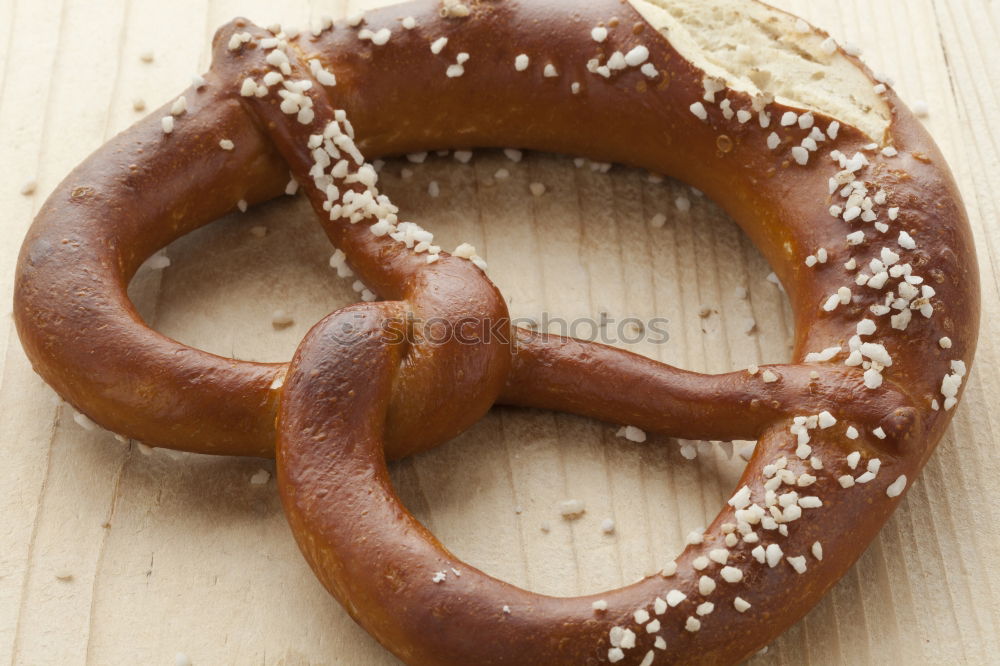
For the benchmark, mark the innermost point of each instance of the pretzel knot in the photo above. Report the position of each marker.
(840, 431)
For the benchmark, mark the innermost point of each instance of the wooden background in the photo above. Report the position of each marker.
(112, 556)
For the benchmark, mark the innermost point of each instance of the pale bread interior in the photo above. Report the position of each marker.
(762, 51)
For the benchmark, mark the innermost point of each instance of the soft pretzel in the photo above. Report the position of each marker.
(820, 163)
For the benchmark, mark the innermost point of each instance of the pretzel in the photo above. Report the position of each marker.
(839, 186)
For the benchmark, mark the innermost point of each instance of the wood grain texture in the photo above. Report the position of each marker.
(111, 556)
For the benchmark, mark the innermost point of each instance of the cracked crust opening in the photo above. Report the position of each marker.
(767, 53)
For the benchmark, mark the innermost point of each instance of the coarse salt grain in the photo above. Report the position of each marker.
(260, 477)
(438, 45)
(731, 574)
(675, 597)
(158, 262)
(637, 56)
(179, 106)
(632, 434)
(896, 488)
(571, 509)
(281, 319)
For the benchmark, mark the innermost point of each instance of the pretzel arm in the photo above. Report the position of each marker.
(73, 314)
(617, 386)
(426, 284)
(432, 609)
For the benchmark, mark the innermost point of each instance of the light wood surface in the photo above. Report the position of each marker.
(111, 556)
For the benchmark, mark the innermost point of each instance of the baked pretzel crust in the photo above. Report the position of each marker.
(343, 404)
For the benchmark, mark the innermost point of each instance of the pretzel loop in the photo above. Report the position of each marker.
(429, 607)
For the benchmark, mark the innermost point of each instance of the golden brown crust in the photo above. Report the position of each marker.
(346, 399)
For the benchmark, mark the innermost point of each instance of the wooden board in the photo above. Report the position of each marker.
(110, 556)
